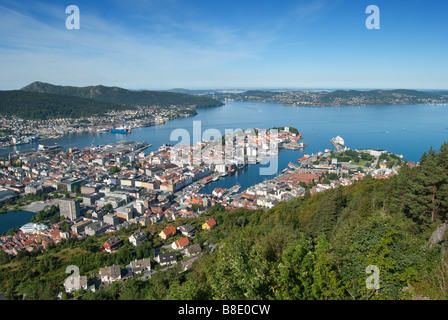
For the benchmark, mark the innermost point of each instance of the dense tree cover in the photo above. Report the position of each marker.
(51, 215)
(122, 96)
(313, 247)
(391, 158)
(45, 101)
(41, 106)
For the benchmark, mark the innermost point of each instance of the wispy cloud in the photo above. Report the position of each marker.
(107, 52)
(199, 43)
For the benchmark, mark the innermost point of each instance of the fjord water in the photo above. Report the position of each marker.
(407, 130)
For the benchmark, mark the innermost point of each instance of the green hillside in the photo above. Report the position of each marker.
(122, 96)
(36, 105)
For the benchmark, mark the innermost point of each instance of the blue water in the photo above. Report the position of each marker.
(13, 219)
(407, 130)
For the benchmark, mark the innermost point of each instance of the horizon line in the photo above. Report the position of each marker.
(262, 88)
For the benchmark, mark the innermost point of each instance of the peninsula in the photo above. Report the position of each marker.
(338, 98)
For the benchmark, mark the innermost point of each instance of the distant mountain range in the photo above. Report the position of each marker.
(340, 97)
(41, 100)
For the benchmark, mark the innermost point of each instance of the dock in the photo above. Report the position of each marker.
(294, 145)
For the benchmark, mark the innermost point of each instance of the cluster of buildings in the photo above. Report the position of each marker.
(168, 255)
(109, 187)
(328, 98)
(17, 131)
(33, 236)
(317, 172)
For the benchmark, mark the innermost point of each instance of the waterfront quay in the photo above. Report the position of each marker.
(15, 131)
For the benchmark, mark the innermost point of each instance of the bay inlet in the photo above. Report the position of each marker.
(407, 130)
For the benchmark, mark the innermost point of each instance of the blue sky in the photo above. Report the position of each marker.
(149, 44)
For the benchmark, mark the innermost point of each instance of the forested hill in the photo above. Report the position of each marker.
(122, 96)
(37, 106)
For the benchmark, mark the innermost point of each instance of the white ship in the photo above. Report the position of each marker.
(339, 144)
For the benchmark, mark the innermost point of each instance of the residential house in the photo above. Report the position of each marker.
(209, 224)
(110, 274)
(180, 244)
(73, 284)
(137, 238)
(187, 230)
(192, 251)
(167, 232)
(166, 258)
(138, 266)
(112, 244)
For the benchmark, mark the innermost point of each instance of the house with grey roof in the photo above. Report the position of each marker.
(110, 274)
(166, 258)
(138, 266)
(73, 284)
(96, 228)
(187, 230)
(137, 238)
(192, 251)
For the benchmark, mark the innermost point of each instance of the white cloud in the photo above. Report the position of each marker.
(109, 53)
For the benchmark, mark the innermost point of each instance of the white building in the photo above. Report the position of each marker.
(137, 238)
(33, 228)
(110, 274)
(73, 284)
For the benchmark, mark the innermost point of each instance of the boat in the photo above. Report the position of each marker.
(305, 157)
(339, 144)
(122, 130)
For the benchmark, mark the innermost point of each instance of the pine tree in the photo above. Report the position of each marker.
(428, 189)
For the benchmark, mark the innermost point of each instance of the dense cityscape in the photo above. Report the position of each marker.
(100, 190)
(222, 159)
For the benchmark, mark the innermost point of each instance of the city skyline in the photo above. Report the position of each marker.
(202, 45)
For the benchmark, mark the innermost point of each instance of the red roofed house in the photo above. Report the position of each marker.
(181, 243)
(209, 224)
(112, 244)
(167, 232)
